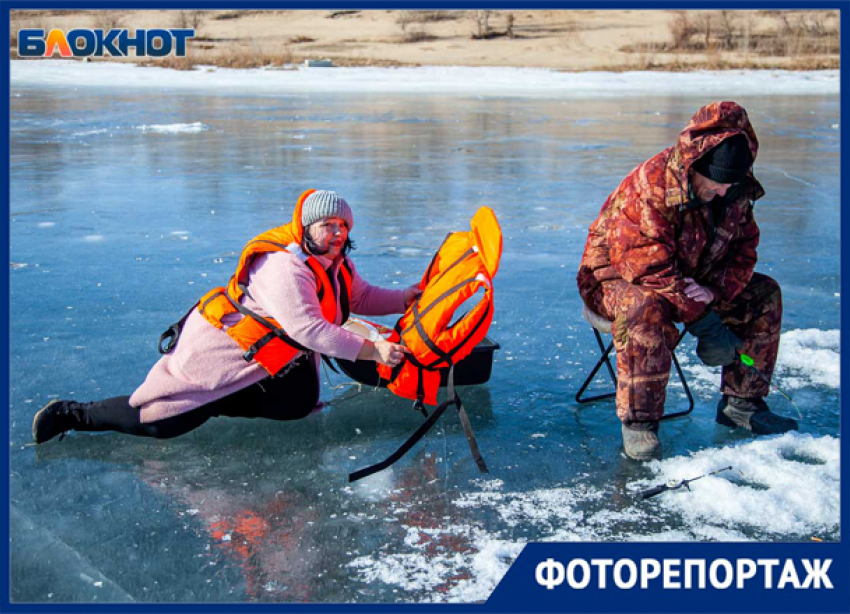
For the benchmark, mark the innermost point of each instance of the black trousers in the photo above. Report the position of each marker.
(290, 397)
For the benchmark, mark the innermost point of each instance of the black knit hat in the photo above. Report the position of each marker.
(728, 162)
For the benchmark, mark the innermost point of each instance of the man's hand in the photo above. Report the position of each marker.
(717, 345)
(698, 293)
(411, 294)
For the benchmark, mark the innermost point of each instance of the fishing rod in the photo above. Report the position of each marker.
(676, 485)
(749, 362)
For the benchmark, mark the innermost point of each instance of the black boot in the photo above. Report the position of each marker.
(57, 418)
(752, 414)
(640, 441)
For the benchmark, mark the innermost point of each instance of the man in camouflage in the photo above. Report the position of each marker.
(676, 242)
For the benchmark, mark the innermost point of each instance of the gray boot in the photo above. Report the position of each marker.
(640, 441)
(752, 414)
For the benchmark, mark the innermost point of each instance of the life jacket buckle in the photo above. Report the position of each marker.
(170, 338)
(419, 406)
(248, 356)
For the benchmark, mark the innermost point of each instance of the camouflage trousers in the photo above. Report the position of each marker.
(645, 334)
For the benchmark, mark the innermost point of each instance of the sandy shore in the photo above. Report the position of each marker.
(572, 40)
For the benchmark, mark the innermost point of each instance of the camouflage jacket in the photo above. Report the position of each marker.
(650, 233)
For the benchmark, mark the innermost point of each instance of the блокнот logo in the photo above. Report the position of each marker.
(83, 42)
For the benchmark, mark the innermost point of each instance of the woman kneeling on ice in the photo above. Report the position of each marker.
(252, 349)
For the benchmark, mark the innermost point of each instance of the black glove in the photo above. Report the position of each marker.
(717, 346)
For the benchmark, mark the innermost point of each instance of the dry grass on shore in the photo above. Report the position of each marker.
(807, 40)
(562, 40)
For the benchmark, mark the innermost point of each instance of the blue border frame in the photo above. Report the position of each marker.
(516, 592)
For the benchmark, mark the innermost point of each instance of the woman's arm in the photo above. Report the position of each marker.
(285, 288)
(369, 300)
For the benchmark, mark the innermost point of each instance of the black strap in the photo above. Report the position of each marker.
(443, 296)
(344, 294)
(462, 257)
(459, 345)
(329, 363)
(453, 399)
(467, 425)
(423, 334)
(395, 456)
(172, 334)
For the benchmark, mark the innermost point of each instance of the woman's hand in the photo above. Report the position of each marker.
(698, 293)
(384, 352)
(411, 294)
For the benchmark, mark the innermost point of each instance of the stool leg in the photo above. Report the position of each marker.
(606, 351)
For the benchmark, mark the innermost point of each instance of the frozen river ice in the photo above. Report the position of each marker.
(127, 206)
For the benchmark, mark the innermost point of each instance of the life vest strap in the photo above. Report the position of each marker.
(274, 331)
(328, 362)
(421, 314)
(426, 338)
(463, 342)
(203, 305)
(460, 259)
(172, 335)
(434, 257)
(442, 355)
(430, 421)
(344, 292)
(466, 424)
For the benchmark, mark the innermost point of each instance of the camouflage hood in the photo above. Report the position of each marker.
(646, 234)
(709, 126)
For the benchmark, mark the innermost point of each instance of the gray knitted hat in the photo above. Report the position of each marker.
(322, 204)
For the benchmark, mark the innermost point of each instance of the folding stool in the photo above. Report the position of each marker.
(602, 326)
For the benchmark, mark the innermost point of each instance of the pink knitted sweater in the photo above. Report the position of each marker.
(206, 364)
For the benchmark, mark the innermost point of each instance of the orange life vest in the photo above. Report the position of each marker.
(465, 263)
(263, 339)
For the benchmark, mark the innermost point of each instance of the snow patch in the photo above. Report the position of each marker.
(779, 486)
(174, 128)
(810, 356)
(90, 132)
(429, 79)
(807, 357)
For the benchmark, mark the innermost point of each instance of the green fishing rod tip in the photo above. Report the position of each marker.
(747, 360)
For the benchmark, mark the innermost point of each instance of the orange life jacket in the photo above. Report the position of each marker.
(263, 339)
(465, 263)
